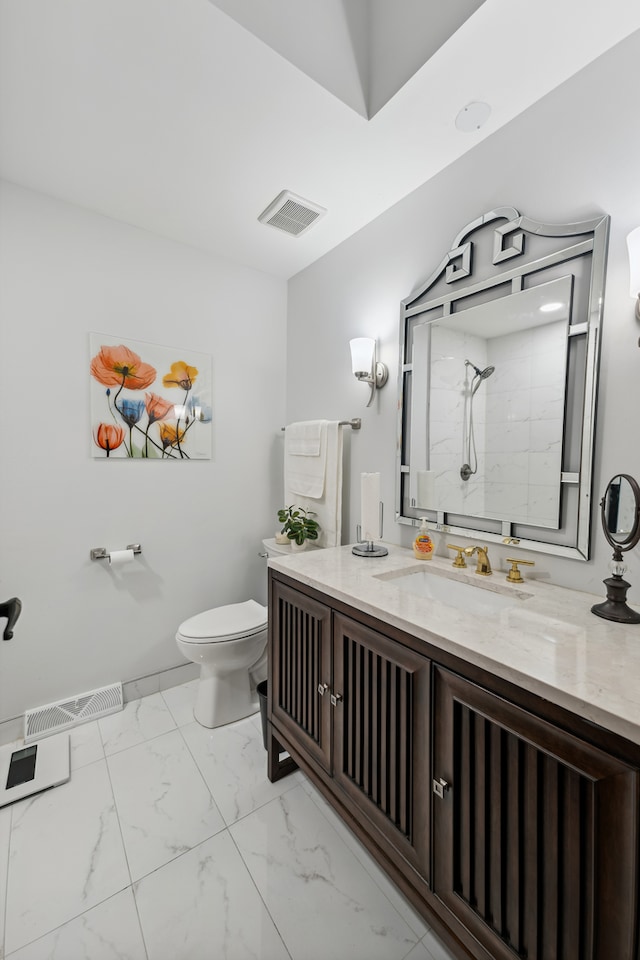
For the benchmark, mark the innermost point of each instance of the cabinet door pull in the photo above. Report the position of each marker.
(335, 699)
(439, 787)
(322, 688)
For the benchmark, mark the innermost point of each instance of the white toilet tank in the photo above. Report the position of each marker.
(274, 549)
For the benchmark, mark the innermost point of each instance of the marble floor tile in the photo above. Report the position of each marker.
(140, 720)
(401, 904)
(164, 806)
(66, 855)
(85, 744)
(181, 700)
(110, 931)
(436, 950)
(321, 898)
(225, 863)
(204, 904)
(420, 952)
(233, 762)
(5, 835)
(256, 720)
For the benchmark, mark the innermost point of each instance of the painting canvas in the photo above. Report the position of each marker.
(149, 401)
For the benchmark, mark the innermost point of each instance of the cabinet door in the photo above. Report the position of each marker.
(381, 736)
(535, 838)
(300, 670)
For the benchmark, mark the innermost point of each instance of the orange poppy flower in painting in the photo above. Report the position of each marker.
(121, 367)
(170, 435)
(108, 436)
(180, 375)
(157, 407)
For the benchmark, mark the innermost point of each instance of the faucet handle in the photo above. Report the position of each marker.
(459, 560)
(514, 575)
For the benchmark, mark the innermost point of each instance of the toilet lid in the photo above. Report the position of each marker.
(225, 623)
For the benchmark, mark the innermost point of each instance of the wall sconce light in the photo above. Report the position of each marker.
(365, 366)
(633, 245)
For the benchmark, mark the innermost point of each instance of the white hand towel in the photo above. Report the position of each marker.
(305, 458)
(305, 437)
(327, 509)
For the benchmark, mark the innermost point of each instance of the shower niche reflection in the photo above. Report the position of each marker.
(498, 377)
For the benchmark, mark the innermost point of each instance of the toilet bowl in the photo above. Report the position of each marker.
(230, 644)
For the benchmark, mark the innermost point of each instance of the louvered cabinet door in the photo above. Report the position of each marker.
(381, 736)
(536, 832)
(300, 670)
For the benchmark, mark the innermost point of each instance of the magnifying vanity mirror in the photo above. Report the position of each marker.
(620, 515)
(498, 381)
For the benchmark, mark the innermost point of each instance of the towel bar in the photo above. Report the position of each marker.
(355, 424)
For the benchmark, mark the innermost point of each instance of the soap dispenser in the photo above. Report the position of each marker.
(423, 544)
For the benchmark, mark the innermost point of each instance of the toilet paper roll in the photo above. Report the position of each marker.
(370, 506)
(117, 558)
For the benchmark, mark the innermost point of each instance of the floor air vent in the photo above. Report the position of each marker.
(291, 214)
(56, 717)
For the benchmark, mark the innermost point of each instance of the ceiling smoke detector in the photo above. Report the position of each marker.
(473, 116)
(291, 214)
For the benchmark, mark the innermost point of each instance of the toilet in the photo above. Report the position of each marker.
(230, 644)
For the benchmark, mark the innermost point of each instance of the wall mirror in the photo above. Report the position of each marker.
(498, 379)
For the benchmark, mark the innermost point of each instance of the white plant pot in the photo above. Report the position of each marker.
(298, 548)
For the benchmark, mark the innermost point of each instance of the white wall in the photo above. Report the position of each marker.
(572, 156)
(65, 272)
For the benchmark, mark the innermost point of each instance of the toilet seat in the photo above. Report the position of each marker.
(230, 622)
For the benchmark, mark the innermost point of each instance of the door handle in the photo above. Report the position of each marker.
(335, 699)
(322, 688)
(440, 787)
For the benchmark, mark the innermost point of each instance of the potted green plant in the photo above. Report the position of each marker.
(298, 525)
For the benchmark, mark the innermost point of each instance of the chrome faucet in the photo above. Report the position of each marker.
(483, 566)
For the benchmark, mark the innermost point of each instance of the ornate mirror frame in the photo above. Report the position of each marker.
(498, 256)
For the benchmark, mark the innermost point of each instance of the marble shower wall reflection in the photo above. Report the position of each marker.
(518, 412)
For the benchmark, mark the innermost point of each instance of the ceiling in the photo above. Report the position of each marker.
(187, 117)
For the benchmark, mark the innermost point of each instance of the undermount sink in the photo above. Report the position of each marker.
(478, 598)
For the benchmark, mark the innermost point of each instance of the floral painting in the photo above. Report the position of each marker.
(148, 401)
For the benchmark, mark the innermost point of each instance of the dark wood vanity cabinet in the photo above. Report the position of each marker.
(355, 704)
(381, 737)
(514, 836)
(535, 836)
(299, 668)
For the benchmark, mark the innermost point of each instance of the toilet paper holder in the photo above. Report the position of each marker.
(101, 553)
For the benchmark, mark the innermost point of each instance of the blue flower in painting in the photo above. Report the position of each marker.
(131, 411)
(199, 411)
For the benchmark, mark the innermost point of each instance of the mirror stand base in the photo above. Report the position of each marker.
(615, 606)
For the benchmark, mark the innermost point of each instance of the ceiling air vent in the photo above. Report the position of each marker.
(291, 214)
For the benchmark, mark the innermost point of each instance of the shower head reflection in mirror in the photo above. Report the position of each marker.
(466, 470)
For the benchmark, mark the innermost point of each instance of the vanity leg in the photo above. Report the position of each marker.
(276, 767)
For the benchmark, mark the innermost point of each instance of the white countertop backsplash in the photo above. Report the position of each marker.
(549, 643)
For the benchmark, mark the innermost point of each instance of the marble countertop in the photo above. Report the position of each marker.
(546, 640)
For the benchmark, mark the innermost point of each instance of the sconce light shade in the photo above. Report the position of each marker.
(633, 245)
(363, 351)
(365, 366)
